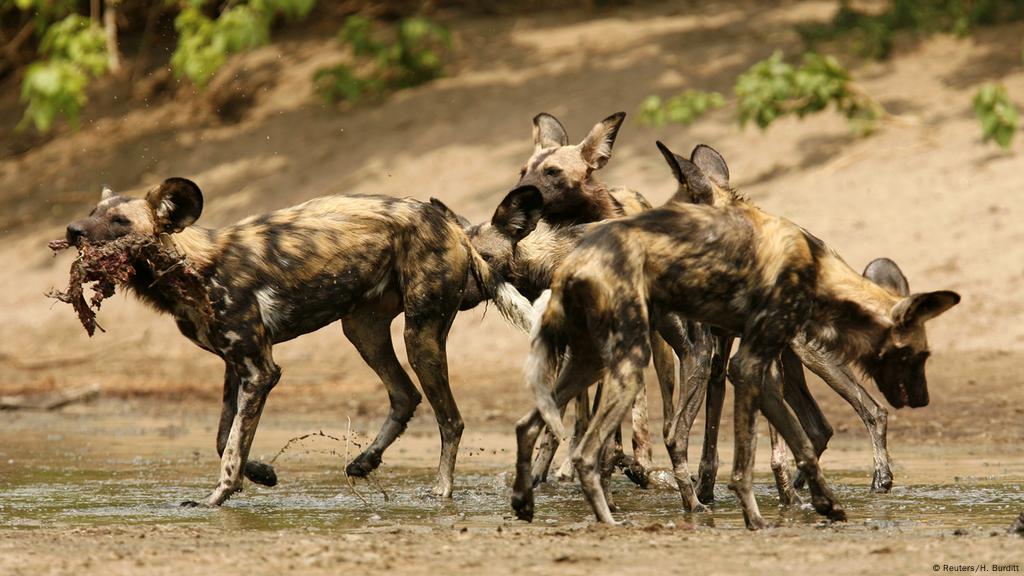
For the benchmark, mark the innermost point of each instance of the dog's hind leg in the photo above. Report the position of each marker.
(581, 414)
(643, 457)
(369, 330)
(708, 472)
(625, 378)
(693, 344)
(747, 372)
(425, 339)
(779, 414)
(545, 455)
(576, 375)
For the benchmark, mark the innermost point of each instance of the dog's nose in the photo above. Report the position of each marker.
(75, 233)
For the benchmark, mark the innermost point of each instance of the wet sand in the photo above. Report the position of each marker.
(99, 487)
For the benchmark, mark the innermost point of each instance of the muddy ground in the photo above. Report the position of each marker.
(97, 487)
(94, 487)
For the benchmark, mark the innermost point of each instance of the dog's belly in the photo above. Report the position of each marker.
(288, 314)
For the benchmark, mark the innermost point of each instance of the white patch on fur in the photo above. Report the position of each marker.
(539, 306)
(231, 336)
(380, 287)
(106, 194)
(514, 306)
(538, 369)
(227, 295)
(166, 208)
(270, 307)
(254, 373)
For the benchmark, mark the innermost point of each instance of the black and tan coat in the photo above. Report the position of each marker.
(270, 278)
(735, 267)
(558, 194)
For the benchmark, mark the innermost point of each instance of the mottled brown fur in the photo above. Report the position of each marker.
(735, 267)
(270, 278)
(570, 197)
(564, 173)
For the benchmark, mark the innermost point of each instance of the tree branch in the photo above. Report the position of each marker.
(110, 27)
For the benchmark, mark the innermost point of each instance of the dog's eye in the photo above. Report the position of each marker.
(552, 171)
(120, 221)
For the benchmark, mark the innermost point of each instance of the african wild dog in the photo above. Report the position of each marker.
(526, 250)
(564, 173)
(838, 376)
(710, 380)
(735, 267)
(570, 194)
(359, 259)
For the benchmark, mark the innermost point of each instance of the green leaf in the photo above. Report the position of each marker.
(997, 114)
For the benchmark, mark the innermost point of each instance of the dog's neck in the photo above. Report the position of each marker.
(195, 245)
(537, 256)
(853, 315)
(589, 201)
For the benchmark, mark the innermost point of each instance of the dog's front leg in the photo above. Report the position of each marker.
(256, 374)
(257, 472)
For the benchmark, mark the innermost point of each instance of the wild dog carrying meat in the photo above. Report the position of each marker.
(108, 264)
(270, 278)
(735, 267)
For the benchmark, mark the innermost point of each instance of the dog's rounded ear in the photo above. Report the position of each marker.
(519, 212)
(177, 204)
(712, 163)
(449, 213)
(596, 148)
(918, 308)
(548, 132)
(886, 273)
(694, 186)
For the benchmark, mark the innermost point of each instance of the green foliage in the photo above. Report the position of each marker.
(357, 32)
(872, 34)
(73, 49)
(683, 108)
(52, 88)
(998, 116)
(773, 88)
(413, 55)
(75, 52)
(204, 43)
(74, 39)
(340, 83)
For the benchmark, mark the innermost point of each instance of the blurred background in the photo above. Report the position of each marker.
(887, 128)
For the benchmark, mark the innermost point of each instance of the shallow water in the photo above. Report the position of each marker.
(116, 467)
(317, 497)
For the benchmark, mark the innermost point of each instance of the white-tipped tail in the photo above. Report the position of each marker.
(514, 306)
(539, 368)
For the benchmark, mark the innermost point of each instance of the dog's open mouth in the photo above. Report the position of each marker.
(904, 396)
